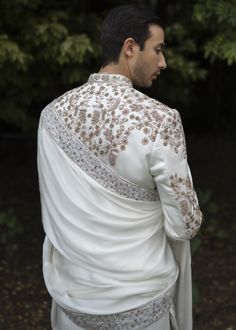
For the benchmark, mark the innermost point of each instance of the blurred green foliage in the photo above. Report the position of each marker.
(219, 19)
(201, 58)
(48, 47)
(45, 48)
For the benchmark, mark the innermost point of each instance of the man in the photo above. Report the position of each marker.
(118, 204)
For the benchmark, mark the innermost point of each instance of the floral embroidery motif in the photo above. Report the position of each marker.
(137, 318)
(172, 134)
(91, 164)
(104, 112)
(188, 202)
(110, 78)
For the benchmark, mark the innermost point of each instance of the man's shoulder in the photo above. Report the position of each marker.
(148, 102)
(66, 96)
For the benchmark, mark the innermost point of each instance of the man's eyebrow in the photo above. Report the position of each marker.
(161, 45)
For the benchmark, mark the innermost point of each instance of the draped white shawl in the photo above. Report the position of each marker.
(105, 253)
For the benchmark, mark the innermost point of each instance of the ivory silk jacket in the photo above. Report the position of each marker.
(118, 206)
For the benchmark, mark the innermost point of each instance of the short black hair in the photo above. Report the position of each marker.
(127, 21)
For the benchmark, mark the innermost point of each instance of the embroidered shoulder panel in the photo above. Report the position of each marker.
(138, 318)
(105, 111)
(88, 161)
(172, 134)
(187, 199)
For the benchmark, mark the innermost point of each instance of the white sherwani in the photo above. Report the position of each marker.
(118, 209)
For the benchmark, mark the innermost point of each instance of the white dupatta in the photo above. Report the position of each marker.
(105, 253)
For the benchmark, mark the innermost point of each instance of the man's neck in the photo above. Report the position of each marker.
(115, 69)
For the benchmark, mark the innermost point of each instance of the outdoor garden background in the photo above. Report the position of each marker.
(49, 47)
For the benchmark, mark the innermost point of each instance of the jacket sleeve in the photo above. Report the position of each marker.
(170, 170)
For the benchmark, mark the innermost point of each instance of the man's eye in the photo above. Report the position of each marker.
(158, 50)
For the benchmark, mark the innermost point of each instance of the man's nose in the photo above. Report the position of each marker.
(162, 63)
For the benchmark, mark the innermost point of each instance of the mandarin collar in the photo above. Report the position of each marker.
(110, 78)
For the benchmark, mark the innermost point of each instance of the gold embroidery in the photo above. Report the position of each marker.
(172, 134)
(134, 319)
(187, 199)
(104, 124)
(89, 163)
(104, 112)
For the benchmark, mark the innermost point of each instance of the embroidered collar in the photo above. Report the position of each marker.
(108, 77)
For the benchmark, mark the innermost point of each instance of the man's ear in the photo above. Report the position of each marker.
(129, 47)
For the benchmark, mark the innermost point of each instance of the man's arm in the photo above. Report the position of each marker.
(169, 167)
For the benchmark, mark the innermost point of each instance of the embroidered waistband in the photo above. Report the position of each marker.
(89, 163)
(137, 318)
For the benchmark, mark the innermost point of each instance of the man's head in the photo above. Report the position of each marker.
(133, 38)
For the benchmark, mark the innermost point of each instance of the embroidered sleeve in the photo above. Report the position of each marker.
(169, 167)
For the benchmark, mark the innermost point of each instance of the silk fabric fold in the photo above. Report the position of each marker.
(104, 246)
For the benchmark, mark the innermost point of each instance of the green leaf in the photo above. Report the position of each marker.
(74, 49)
